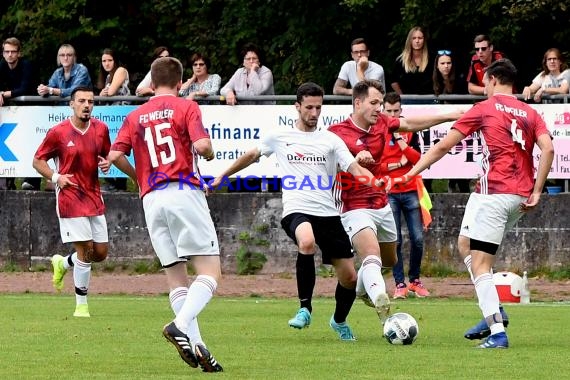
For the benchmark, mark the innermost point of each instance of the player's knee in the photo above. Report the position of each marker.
(99, 253)
(306, 245)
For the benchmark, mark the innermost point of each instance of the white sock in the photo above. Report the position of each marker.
(81, 277)
(488, 300)
(360, 291)
(371, 273)
(199, 294)
(66, 260)
(467, 262)
(177, 297)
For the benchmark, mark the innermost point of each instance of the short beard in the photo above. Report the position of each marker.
(85, 119)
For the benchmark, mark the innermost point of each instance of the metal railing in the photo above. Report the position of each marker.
(218, 99)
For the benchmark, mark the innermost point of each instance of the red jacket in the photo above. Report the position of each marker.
(393, 154)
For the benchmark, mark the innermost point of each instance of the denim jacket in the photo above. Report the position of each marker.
(79, 77)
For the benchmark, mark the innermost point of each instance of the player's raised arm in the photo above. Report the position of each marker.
(418, 123)
(242, 162)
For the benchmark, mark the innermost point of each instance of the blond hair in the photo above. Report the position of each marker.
(407, 57)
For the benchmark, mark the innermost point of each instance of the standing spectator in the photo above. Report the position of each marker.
(78, 145)
(251, 80)
(401, 152)
(412, 70)
(144, 88)
(113, 81)
(202, 83)
(445, 82)
(507, 190)
(166, 135)
(553, 79)
(483, 57)
(358, 69)
(16, 79)
(67, 77)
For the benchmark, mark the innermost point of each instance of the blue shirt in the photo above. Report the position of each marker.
(79, 77)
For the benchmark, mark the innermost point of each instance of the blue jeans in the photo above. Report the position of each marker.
(408, 204)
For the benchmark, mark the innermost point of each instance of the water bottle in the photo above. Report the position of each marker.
(525, 291)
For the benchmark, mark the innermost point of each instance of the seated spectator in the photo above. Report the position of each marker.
(412, 71)
(67, 77)
(113, 76)
(553, 79)
(483, 57)
(202, 83)
(16, 79)
(444, 82)
(113, 81)
(360, 68)
(144, 88)
(251, 80)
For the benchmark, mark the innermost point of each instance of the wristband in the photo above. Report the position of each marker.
(51, 90)
(55, 176)
(399, 138)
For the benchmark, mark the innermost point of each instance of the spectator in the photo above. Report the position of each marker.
(202, 83)
(16, 79)
(67, 77)
(113, 81)
(401, 152)
(251, 80)
(144, 88)
(553, 79)
(412, 70)
(483, 57)
(444, 82)
(358, 69)
(113, 76)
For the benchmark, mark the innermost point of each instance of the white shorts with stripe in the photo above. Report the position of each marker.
(179, 224)
(381, 221)
(488, 216)
(84, 228)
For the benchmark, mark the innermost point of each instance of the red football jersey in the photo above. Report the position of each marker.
(161, 133)
(76, 152)
(508, 129)
(353, 194)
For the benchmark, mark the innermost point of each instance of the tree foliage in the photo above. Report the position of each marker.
(303, 40)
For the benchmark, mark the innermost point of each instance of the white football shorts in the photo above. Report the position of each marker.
(179, 224)
(488, 216)
(84, 228)
(381, 221)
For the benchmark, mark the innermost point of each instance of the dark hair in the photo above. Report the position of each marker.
(360, 90)
(437, 79)
(392, 98)
(102, 78)
(563, 65)
(166, 71)
(503, 70)
(80, 88)
(252, 47)
(481, 38)
(158, 51)
(309, 89)
(199, 56)
(358, 41)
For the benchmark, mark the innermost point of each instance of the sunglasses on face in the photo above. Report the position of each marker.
(482, 48)
(444, 52)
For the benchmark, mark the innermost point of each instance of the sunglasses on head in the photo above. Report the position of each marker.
(444, 52)
(482, 48)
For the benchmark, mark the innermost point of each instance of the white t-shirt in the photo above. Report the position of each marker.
(308, 163)
(373, 71)
(551, 81)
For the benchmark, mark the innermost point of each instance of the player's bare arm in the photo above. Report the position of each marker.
(364, 158)
(418, 123)
(242, 162)
(204, 148)
(118, 159)
(62, 180)
(544, 142)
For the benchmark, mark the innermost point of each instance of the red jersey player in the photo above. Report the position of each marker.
(78, 145)
(166, 135)
(509, 130)
(365, 212)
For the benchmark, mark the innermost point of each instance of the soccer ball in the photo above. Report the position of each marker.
(401, 328)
